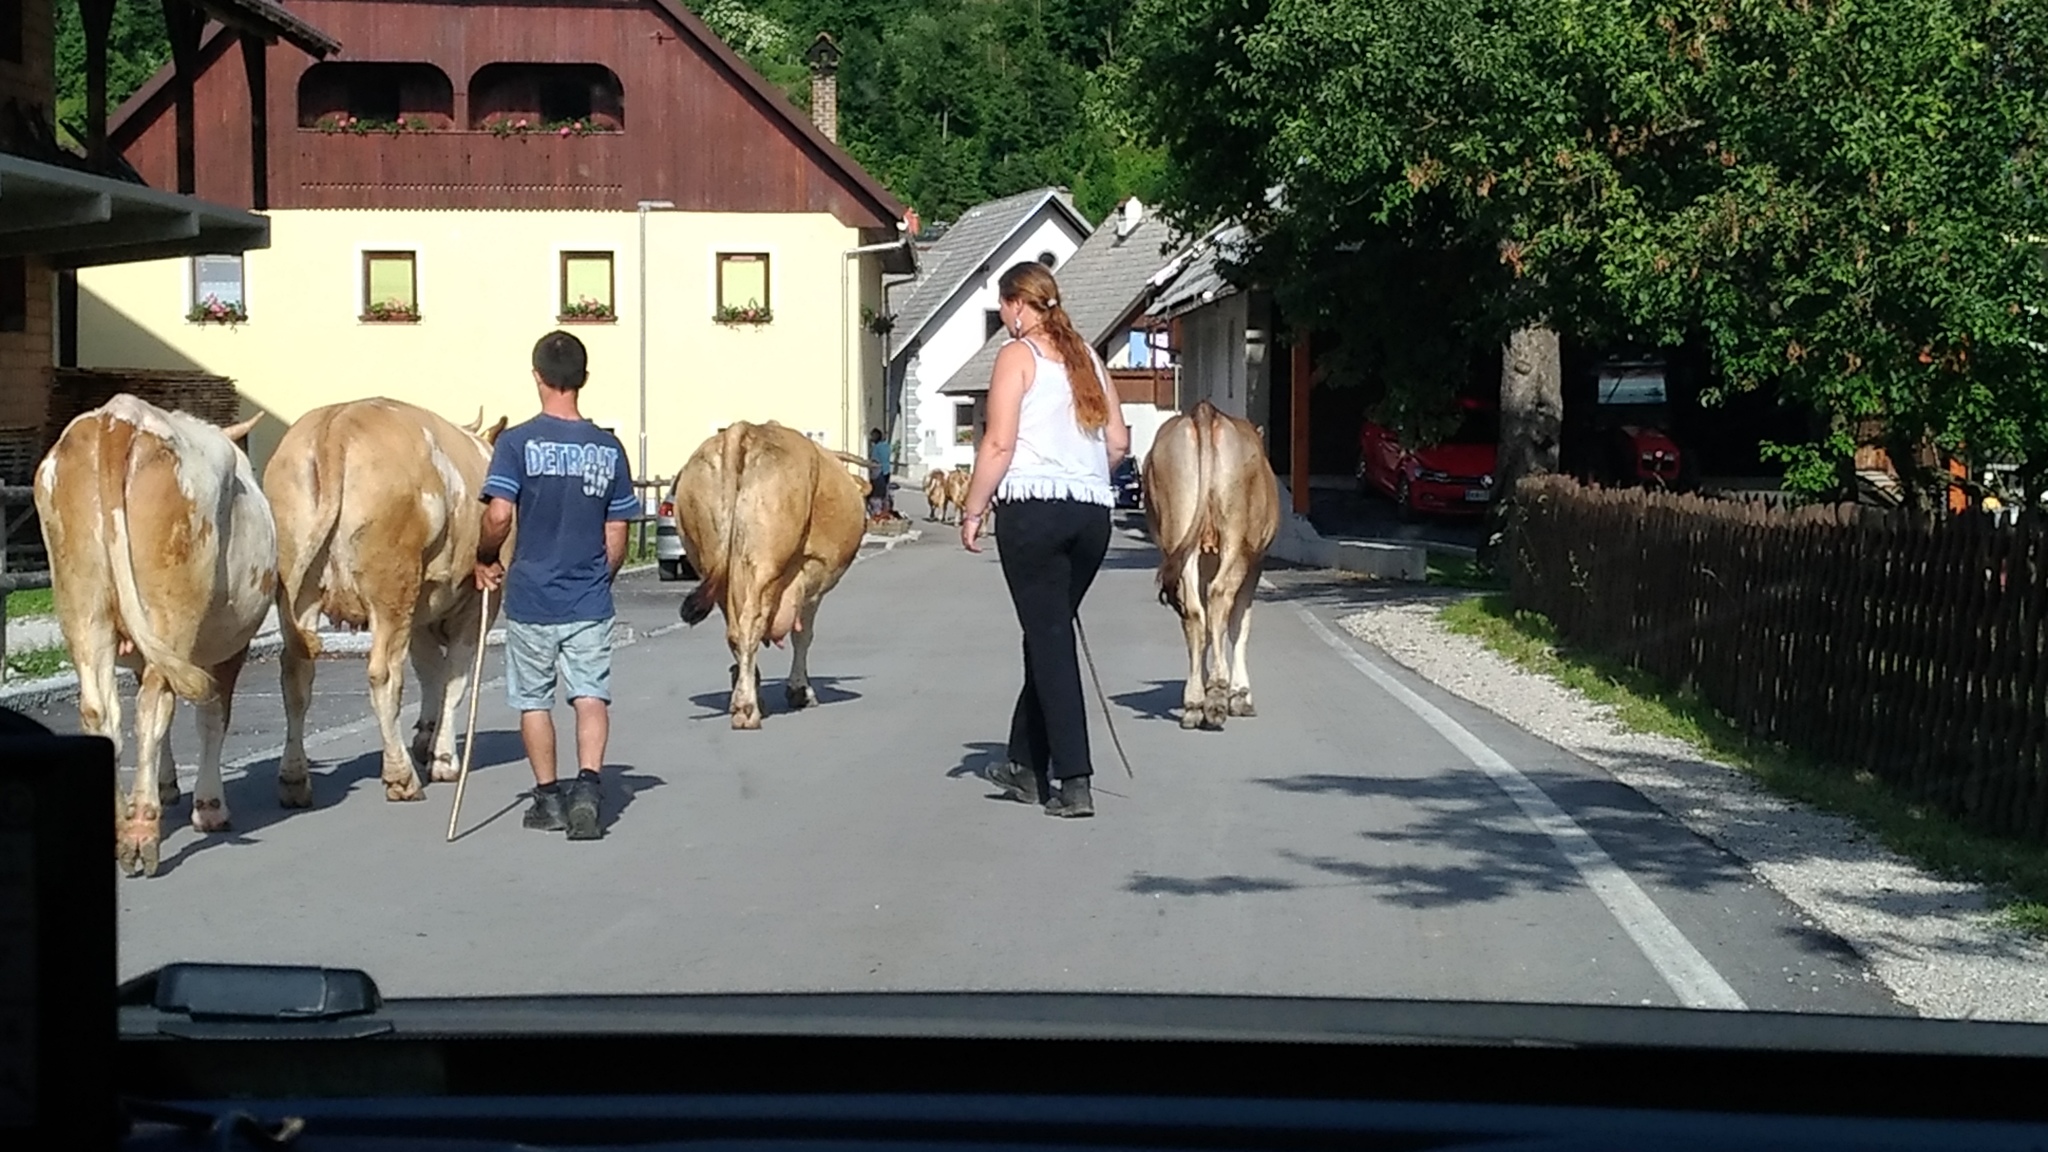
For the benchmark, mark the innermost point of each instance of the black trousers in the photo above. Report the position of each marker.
(1050, 552)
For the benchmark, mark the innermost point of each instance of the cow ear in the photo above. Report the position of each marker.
(491, 437)
(238, 433)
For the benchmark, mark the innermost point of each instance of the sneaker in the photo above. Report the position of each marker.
(1017, 782)
(548, 813)
(583, 811)
(1073, 799)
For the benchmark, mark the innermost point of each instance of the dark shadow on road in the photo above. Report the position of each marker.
(1131, 560)
(773, 702)
(1146, 884)
(502, 746)
(983, 755)
(1159, 701)
(1495, 853)
(252, 802)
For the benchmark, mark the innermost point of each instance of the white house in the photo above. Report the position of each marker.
(1223, 331)
(1106, 288)
(951, 312)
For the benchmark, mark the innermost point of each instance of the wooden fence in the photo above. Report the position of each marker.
(1869, 641)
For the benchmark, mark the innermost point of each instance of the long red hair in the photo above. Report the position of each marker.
(1031, 283)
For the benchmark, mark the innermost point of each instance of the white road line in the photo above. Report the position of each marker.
(323, 736)
(1691, 976)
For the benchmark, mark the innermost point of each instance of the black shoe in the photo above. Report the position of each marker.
(582, 810)
(1072, 799)
(1017, 782)
(547, 813)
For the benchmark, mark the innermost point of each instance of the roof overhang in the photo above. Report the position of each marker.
(269, 22)
(78, 220)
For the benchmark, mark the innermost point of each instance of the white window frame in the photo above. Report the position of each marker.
(192, 282)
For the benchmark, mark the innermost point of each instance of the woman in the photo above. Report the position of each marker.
(1055, 429)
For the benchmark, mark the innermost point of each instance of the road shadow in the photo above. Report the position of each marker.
(620, 785)
(1131, 560)
(717, 705)
(1467, 842)
(253, 806)
(1146, 884)
(1159, 700)
(976, 761)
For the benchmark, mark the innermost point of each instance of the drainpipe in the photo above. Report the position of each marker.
(643, 207)
(846, 335)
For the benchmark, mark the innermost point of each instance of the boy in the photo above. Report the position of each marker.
(571, 486)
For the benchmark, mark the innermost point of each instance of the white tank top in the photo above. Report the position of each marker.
(1055, 459)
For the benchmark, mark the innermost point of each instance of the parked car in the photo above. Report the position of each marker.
(668, 546)
(1454, 477)
(1129, 485)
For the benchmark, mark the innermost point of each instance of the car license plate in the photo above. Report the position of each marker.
(1477, 495)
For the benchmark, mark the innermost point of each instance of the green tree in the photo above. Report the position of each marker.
(1834, 195)
(137, 45)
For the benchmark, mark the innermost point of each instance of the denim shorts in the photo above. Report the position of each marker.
(583, 650)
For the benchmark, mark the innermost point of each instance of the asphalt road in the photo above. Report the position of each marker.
(1365, 835)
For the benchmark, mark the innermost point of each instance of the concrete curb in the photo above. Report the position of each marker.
(1298, 542)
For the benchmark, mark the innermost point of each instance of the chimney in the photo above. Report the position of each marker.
(823, 58)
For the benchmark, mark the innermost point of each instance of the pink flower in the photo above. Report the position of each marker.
(565, 129)
(521, 123)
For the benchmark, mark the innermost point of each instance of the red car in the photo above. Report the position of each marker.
(1452, 478)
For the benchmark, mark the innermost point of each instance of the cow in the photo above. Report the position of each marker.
(1213, 508)
(378, 511)
(163, 560)
(935, 495)
(956, 488)
(771, 521)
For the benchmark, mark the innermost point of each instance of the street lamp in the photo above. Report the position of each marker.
(644, 207)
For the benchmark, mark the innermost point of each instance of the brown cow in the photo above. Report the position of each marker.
(1213, 507)
(935, 495)
(378, 513)
(163, 557)
(771, 521)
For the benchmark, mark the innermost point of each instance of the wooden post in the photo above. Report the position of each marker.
(183, 24)
(97, 17)
(254, 56)
(1297, 423)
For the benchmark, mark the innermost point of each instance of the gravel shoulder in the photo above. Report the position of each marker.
(1935, 943)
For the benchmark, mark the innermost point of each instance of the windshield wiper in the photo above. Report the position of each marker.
(259, 1001)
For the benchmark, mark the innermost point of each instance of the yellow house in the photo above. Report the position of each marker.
(438, 200)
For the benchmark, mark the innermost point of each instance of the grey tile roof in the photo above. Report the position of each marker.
(1099, 285)
(959, 253)
(1202, 281)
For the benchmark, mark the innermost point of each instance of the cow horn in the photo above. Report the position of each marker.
(477, 423)
(491, 437)
(237, 433)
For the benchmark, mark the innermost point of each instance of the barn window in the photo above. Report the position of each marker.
(13, 294)
(547, 97)
(587, 286)
(963, 422)
(217, 280)
(359, 96)
(743, 287)
(390, 287)
(991, 322)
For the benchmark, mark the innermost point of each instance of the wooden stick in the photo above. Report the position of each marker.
(476, 677)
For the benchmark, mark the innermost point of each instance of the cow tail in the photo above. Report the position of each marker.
(324, 470)
(711, 582)
(1201, 531)
(118, 445)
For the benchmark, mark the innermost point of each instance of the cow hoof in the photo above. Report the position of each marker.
(209, 815)
(295, 793)
(1191, 717)
(445, 770)
(402, 790)
(1241, 705)
(137, 846)
(746, 720)
(799, 696)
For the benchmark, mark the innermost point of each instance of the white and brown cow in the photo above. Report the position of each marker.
(1213, 507)
(378, 512)
(771, 521)
(163, 559)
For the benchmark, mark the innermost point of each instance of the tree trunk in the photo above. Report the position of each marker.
(1531, 420)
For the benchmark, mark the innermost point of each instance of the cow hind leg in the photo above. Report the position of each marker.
(1194, 628)
(296, 668)
(430, 662)
(455, 682)
(138, 843)
(746, 626)
(1221, 595)
(209, 796)
(1240, 637)
(390, 639)
(797, 691)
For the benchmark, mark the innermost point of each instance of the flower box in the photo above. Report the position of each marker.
(391, 312)
(750, 314)
(212, 311)
(587, 311)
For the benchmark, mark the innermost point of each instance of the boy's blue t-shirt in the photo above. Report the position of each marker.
(568, 478)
